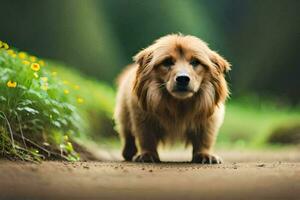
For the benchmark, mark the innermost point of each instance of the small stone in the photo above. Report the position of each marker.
(34, 169)
(261, 165)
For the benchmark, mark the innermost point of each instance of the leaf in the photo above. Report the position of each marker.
(34, 93)
(6, 74)
(28, 109)
(55, 111)
(63, 121)
(2, 98)
(36, 121)
(73, 158)
(69, 147)
(25, 102)
(56, 123)
(22, 87)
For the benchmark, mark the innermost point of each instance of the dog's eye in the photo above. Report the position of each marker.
(195, 62)
(168, 62)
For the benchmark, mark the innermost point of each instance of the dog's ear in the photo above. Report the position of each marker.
(221, 63)
(144, 57)
(219, 82)
(141, 83)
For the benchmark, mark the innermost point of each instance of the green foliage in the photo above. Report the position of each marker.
(96, 101)
(250, 121)
(43, 104)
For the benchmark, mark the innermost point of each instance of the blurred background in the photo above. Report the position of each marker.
(99, 37)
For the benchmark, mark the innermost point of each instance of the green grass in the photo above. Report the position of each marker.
(45, 106)
(249, 122)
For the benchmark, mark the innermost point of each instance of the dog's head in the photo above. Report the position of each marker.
(182, 66)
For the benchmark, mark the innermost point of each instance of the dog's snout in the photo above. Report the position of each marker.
(182, 80)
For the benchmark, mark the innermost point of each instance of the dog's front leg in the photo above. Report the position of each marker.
(203, 142)
(147, 143)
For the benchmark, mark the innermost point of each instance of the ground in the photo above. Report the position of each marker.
(272, 174)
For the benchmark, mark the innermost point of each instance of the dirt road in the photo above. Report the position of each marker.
(245, 175)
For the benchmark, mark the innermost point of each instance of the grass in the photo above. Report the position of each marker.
(44, 107)
(249, 122)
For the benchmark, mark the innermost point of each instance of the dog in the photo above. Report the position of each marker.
(175, 90)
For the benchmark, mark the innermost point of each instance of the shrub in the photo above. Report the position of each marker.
(43, 107)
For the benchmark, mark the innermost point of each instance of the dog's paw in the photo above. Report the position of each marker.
(147, 157)
(205, 158)
(129, 152)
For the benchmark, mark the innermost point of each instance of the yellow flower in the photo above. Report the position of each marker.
(66, 91)
(32, 58)
(22, 55)
(35, 75)
(11, 84)
(80, 100)
(45, 79)
(66, 138)
(41, 62)
(10, 52)
(76, 87)
(35, 67)
(5, 45)
(1, 44)
(54, 73)
(25, 62)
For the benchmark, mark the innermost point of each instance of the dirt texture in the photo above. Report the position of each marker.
(244, 175)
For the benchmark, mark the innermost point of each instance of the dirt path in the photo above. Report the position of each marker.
(245, 175)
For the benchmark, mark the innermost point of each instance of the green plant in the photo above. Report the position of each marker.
(45, 107)
(250, 121)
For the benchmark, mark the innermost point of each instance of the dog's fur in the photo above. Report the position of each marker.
(150, 110)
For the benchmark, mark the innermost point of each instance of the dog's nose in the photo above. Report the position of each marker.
(182, 80)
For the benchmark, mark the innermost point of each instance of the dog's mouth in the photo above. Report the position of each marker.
(182, 92)
(181, 89)
(179, 92)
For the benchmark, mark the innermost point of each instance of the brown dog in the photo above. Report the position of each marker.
(175, 90)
